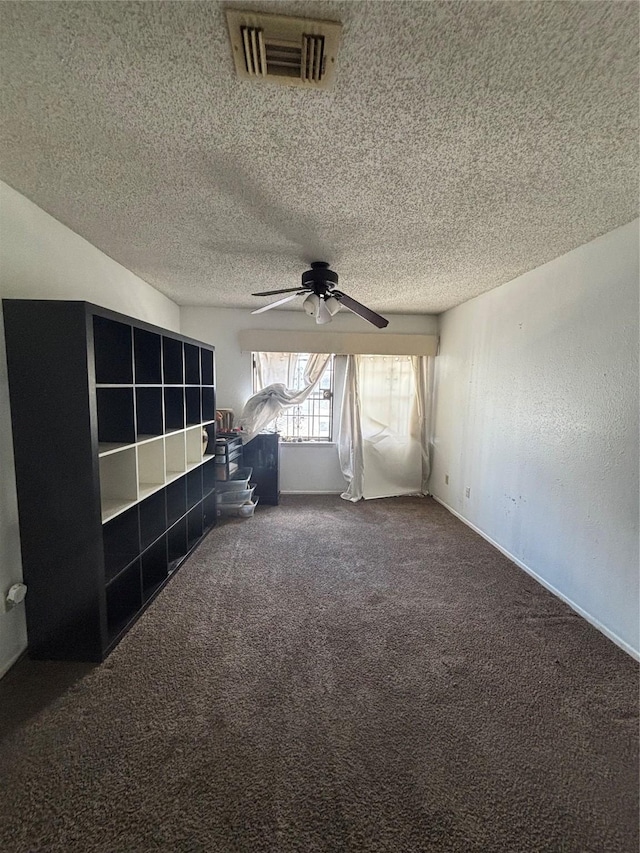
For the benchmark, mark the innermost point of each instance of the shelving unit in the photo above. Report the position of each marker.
(127, 487)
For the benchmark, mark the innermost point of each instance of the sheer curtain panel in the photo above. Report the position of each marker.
(350, 433)
(385, 426)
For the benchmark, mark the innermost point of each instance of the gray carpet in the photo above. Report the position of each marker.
(332, 677)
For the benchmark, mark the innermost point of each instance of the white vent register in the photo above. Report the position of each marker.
(289, 51)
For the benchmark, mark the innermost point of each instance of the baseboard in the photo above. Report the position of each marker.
(4, 669)
(634, 653)
(314, 492)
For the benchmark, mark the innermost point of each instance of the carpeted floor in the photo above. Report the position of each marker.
(332, 677)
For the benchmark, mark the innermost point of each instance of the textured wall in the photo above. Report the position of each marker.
(312, 469)
(42, 259)
(537, 414)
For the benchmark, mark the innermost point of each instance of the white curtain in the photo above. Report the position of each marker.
(385, 426)
(423, 370)
(275, 368)
(350, 434)
(275, 373)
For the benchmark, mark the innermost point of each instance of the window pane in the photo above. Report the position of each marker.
(312, 419)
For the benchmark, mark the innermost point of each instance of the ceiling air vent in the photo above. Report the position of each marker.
(290, 51)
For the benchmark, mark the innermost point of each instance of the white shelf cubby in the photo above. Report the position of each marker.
(175, 455)
(194, 446)
(151, 467)
(118, 482)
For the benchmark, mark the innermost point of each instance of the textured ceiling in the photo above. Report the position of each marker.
(463, 143)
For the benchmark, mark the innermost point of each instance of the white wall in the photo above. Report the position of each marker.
(42, 259)
(537, 414)
(303, 468)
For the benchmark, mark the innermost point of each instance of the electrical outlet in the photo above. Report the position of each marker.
(467, 492)
(446, 479)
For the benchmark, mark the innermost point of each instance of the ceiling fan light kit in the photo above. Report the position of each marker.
(322, 300)
(332, 305)
(317, 307)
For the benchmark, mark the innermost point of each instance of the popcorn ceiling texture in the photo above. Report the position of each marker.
(462, 145)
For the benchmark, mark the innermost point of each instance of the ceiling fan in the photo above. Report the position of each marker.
(322, 299)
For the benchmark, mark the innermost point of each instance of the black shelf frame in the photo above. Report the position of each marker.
(174, 415)
(191, 364)
(149, 412)
(113, 351)
(121, 542)
(116, 419)
(152, 512)
(147, 357)
(172, 361)
(193, 406)
(95, 376)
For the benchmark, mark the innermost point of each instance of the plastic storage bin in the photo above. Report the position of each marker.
(247, 509)
(239, 481)
(244, 509)
(236, 496)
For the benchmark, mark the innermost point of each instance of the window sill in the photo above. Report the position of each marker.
(307, 443)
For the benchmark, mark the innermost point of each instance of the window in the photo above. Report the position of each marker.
(311, 420)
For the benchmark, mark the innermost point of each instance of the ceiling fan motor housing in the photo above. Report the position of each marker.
(319, 278)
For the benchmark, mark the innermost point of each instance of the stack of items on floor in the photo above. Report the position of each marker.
(234, 493)
(234, 496)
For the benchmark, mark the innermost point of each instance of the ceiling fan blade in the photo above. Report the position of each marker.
(276, 303)
(275, 292)
(360, 309)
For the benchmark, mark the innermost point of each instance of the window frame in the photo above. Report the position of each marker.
(317, 395)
